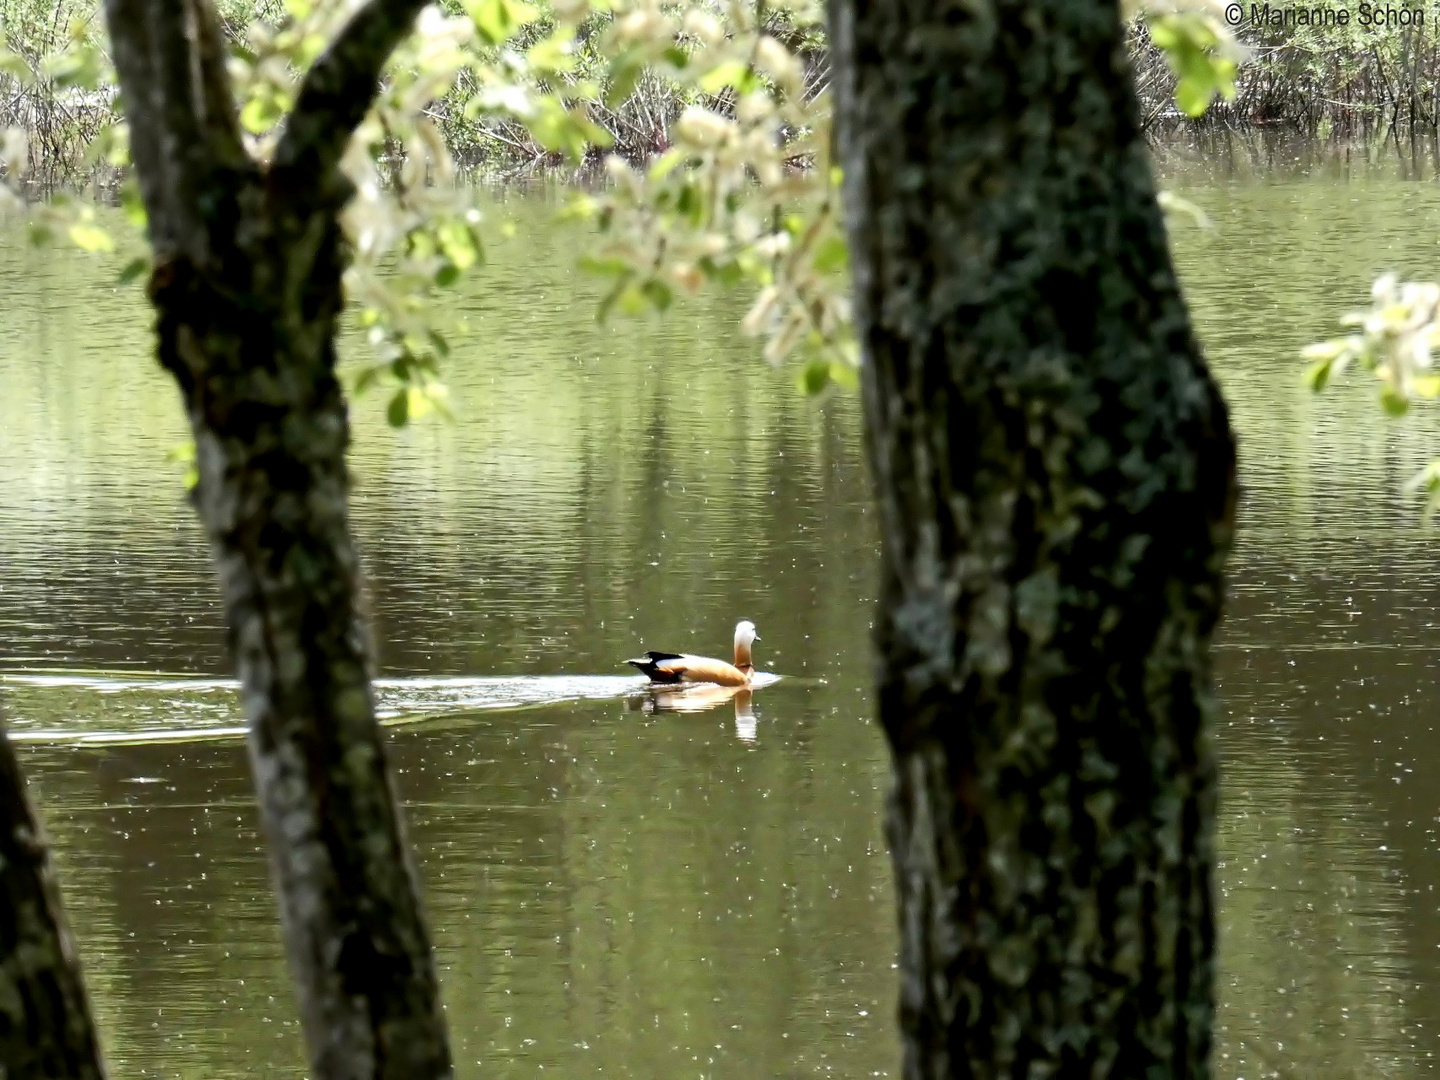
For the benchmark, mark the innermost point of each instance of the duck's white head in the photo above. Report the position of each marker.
(745, 634)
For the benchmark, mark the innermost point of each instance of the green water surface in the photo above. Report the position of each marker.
(622, 893)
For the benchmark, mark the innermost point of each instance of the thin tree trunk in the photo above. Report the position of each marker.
(1055, 477)
(246, 289)
(46, 1032)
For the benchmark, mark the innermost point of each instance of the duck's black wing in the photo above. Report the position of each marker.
(651, 663)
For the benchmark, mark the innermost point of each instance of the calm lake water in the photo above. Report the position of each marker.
(619, 893)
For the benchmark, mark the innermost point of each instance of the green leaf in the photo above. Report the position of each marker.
(727, 273)
(1192, 98)
(100, 146)
(77, 66)
(421, 243)
(88, 237)
(658, 293)
(1317, 375)
(625, 72)
(734, 73)
(632, 300)
(132, 203)
(1427, 479)
(260, 114)
(814, 376)
(665, 163)
(1164, 34)
(368, 378)
(1190, 45)
(16, 67)
(1224, 73)
(398, 411)
(499, 20)
(184, 454)
(607, 304)
(844, 375)
(554, 54)
(521, 14)
(690, 203)
(558, 128)
(457, 241)
(134, 269)
(594, 134)
(831, 254)
(417, 402)
(581, 207)
(608, 266)
(447, 275)
(1392, 401)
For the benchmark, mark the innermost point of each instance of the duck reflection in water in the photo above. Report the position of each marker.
(702, 698)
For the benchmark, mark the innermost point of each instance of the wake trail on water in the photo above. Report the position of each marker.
(99, 707)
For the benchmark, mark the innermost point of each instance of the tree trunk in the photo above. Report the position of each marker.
(1055, 476)
(246, 289)
(45, 1028)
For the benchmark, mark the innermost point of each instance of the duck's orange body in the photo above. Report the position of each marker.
(668, 668)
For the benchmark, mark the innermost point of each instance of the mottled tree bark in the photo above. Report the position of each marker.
(1055, 476)
(46, 1032)
(246, 289)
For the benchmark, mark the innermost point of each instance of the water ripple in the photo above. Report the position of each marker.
(95, 707)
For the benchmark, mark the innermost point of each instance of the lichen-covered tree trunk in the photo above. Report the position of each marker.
(46, 1032)
(246, 287)
(1055, 476)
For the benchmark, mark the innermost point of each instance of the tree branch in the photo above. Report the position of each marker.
(339, 87)
(171, 63)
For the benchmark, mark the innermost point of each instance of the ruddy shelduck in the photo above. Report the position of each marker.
(668, 667)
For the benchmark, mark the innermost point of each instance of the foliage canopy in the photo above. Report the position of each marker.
(699, 132)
